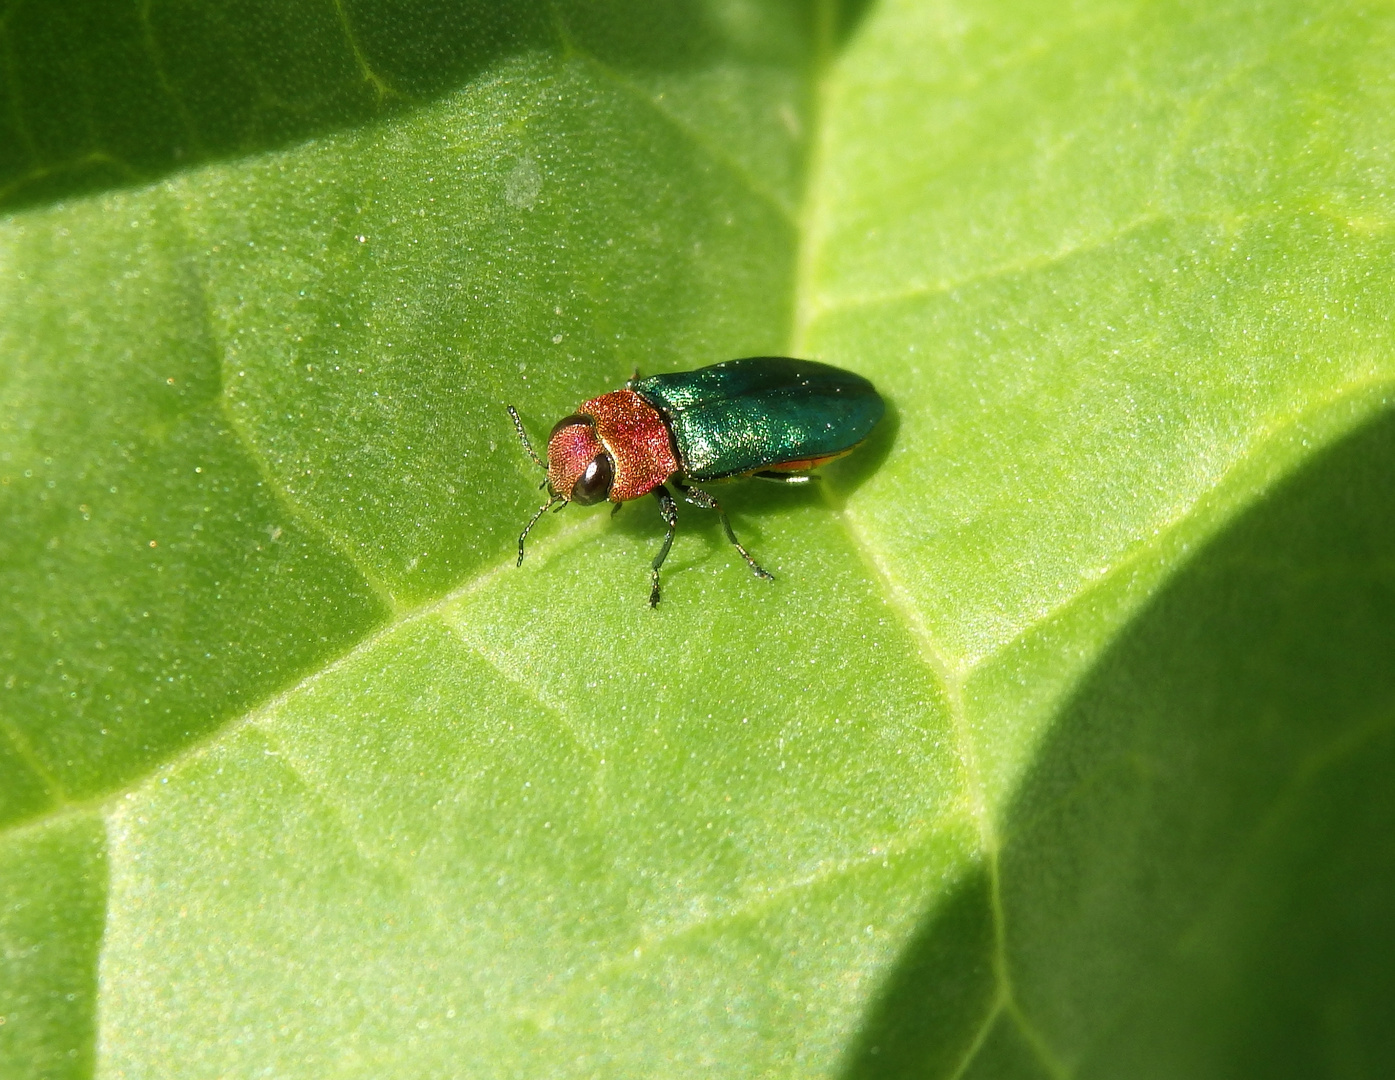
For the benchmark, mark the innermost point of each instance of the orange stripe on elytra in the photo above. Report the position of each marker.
(804, 464)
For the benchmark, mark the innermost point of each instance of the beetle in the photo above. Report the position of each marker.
(771, 417)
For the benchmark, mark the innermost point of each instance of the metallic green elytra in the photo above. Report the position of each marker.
(766, 416)
(763, 412)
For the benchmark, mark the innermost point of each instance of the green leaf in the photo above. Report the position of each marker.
(1061, 744)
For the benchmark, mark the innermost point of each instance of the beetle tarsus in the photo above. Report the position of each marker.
(698, 497)
(669, 511)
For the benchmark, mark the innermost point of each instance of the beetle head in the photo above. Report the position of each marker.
(579, 468)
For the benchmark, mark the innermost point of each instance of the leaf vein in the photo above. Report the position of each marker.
(760, 899)
(694, 136)
(985, 1028)
(26, 754)
(1312, 425)
(400, 618)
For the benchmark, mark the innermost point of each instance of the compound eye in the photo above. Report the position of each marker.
(594, 484)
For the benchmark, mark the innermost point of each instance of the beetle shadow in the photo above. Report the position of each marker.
(1197, 872)
(746, 502)
(843, 477)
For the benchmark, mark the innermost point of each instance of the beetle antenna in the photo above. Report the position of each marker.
(523, 438)
(533, 521)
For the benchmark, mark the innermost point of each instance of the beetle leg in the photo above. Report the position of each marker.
(669, 510)
(615, 509)
(786, 477)
(698, 497)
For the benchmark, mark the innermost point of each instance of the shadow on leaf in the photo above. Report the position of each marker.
(1198, 873)
(96, 95)
(846, 475)
(935, 1000)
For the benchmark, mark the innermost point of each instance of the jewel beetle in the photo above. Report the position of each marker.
(770, 417)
